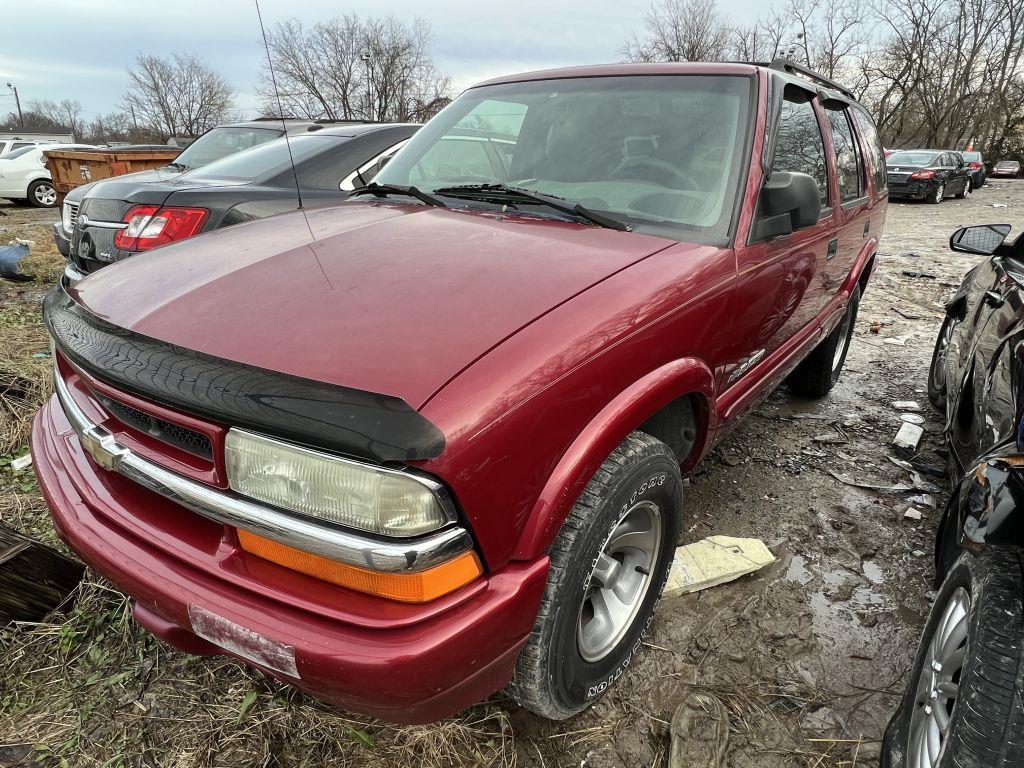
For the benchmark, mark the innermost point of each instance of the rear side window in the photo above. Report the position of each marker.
(872, 145)
(849, 165)
(799, 147)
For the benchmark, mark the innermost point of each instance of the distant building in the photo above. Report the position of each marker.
(29, 135)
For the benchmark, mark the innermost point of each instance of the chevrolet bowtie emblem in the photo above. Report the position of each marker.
(102, 446)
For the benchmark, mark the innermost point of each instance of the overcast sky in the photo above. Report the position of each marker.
(75, 49)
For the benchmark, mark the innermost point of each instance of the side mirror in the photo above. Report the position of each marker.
(983, 239)
(789, 201)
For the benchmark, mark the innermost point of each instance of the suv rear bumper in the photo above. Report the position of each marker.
(418, 672)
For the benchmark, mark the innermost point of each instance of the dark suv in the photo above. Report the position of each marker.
(410, 449)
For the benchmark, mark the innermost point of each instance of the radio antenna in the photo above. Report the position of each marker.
(280, 111)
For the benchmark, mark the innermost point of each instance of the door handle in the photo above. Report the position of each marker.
(833, 247)
(994, 299)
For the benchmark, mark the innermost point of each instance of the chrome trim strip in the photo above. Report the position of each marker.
(87, 222)
(405, 555)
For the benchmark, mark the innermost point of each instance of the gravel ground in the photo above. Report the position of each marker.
(808, 656)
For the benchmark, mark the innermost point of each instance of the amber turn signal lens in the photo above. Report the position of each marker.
(418, 587)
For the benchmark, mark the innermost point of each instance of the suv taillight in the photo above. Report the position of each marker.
(975, 166)
(923, 175)
(150, 226)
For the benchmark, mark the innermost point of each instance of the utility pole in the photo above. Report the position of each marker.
(17, 101)
(134, 121)
(365, 56)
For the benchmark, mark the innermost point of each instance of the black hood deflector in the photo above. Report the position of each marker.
(362, 424)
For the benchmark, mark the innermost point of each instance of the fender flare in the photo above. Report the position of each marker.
(622, 415)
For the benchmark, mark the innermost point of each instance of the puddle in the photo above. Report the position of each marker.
(872, 572)
(798, 571)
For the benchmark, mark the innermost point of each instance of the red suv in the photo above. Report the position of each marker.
(428, 443)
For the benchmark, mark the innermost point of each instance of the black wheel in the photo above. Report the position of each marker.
(820, 370)
(41, 193)
(961, 706)
(609, 564)
(937, 194)
(963, 193)
(937, 369)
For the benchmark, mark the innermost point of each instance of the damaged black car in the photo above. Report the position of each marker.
(962, 705)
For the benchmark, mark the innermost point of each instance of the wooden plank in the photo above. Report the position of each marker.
(34, 578)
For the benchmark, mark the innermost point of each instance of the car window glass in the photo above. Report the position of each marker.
(221, 142)
(659, 153)
(18, 152)
(848, 163)
(873, 145)
(455, 155)
(799, 147)
(325, 169)
(266, 161)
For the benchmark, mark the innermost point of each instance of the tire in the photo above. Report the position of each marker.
(561, 670)
(819, 371)
(41, 194)
(937, 369)
(963, 193)
(985, 717)
(937, 194)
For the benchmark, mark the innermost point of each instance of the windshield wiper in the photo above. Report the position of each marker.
(383, 190)
(182, 166)
(508, 193)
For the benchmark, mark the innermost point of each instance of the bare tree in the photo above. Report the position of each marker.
(377, 69)
(178, 96)
(682, 30)
(67, 114)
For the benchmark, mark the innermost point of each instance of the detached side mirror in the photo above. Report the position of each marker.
(789, 201)
(982, 239)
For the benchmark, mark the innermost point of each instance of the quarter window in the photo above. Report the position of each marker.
(849, 165)
(798, 145)
(873, 145)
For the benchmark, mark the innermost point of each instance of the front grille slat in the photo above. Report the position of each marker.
(181, 437)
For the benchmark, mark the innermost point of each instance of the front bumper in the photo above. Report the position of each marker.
(407, 664)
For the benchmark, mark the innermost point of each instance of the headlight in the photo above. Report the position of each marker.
(65, 219)
(374, 499)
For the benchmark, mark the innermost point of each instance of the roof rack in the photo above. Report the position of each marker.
(794, 68)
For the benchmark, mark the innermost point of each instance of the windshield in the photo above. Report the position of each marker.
(910, 158)
(220, 142)
(267, 160)
(972, 157)
(661, 153)
(18, 152)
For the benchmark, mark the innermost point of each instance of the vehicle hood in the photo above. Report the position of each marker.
(383, 297)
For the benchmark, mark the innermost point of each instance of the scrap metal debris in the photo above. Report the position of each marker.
(913, 273)
(908, 436)
(713, 561)
(907, 405)
(11, 256)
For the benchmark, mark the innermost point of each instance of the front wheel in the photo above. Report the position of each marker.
(961, 706)
(608, 568)
(41, 194)
(937, 194)
(820, 370)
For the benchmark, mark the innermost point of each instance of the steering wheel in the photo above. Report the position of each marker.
(661, 168)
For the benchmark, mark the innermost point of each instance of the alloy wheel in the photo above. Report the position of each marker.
(619, 580)
(938, 371)
(940, 192)
(46, 195)
(844, 335)
(939, 685)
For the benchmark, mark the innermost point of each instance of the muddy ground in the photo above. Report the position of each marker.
(808, 655)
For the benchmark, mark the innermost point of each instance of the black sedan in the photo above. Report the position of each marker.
(120, 217)
(927, 174)
(962, 705)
